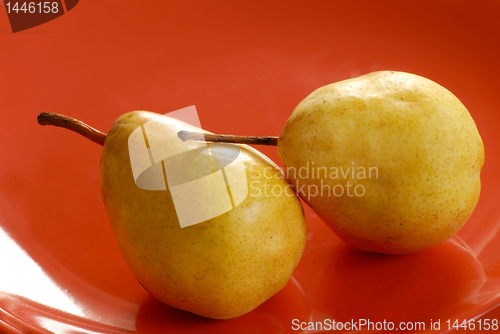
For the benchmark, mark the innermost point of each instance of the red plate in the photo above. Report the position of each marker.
(245, 66)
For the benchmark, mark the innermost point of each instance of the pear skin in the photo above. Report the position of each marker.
(220, 268)
(394, 160)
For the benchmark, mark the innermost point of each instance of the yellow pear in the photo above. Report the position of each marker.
(224, 266)
(390, 161)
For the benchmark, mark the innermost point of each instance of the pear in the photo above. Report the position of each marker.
(221, 265)
(390, 161)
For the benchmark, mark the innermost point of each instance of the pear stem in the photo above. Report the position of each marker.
(48, 118)
(198, 136)
(98, 137)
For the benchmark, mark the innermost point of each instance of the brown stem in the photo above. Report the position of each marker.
(48, 118)
(198, 136)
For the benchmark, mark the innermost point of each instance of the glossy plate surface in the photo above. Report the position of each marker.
(245, 65)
